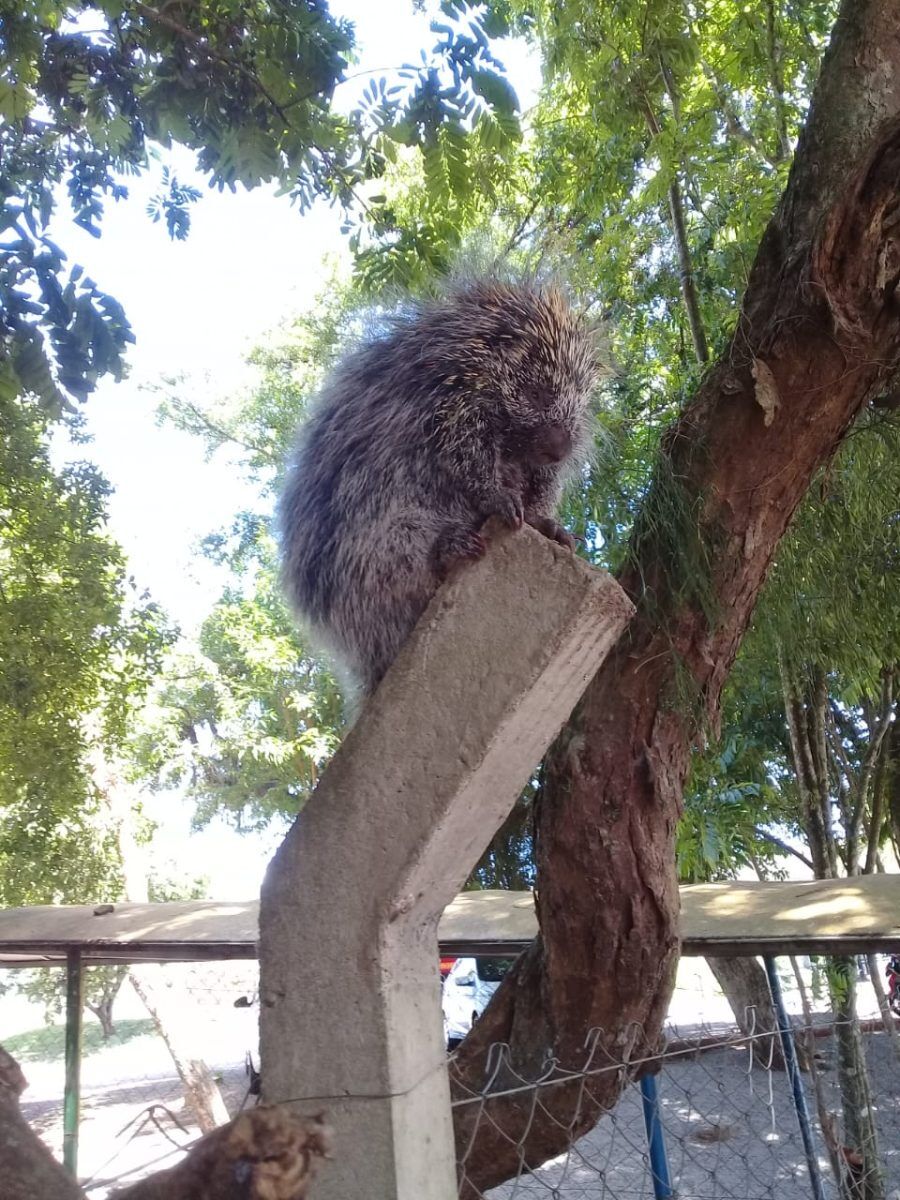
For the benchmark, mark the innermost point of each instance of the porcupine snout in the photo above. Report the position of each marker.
(551, 444)
(557, 443)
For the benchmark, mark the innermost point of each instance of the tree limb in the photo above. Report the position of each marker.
(882, 722)
(821, 314)
(782, 845)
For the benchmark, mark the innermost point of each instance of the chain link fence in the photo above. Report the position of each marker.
(716, 1107)
(727, 1124)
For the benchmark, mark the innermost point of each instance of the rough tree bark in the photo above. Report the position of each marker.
(817, 336)
(27, 1168)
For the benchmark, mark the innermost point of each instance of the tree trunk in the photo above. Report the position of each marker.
(201, 1090)
(747, 991)
(27, 1168)
(827, 1119)
(102, 1010)
(101, 997)
(817, 336)
(861, 1177)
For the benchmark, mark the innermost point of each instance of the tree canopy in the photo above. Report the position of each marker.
(78, 650)
(91, 95)
(88, 89)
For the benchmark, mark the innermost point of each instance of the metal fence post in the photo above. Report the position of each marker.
(786, 1031)
(72, 1092)
(656, 1143)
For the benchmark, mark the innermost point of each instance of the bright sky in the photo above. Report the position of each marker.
(196, 308)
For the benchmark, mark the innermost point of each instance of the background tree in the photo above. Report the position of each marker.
(78, 651)
(88, 94)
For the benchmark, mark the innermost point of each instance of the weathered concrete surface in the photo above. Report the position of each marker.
(350, 1017)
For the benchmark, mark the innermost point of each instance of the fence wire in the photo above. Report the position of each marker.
(728, 1122)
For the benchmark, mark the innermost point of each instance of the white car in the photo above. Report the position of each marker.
(466, 991)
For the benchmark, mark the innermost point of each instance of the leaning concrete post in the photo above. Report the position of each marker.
(350, 1015)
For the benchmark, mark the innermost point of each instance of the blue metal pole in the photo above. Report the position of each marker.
(786, 1031)
(659, 1162)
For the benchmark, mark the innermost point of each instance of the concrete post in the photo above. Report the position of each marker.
(350, 1017)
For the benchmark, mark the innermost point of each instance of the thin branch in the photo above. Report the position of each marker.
(219, 432)
(784, 145)
(733, 124)
(876, 738)
(765, 836)
(196, 39)
(679, 229)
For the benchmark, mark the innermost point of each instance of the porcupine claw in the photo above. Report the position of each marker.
(554, 531)
(456, 547)
(510, 510)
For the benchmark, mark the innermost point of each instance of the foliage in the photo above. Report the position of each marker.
(47, 986)
(78, 650)
(172, 884)
(832, 596)
(508, 862)
(729, 802)
(246, 716)
(87, 90)
(823, 647)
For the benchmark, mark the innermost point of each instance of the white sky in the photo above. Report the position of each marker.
(196, 308)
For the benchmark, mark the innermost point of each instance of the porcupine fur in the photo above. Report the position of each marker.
(470, 406)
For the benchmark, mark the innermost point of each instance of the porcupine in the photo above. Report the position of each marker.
(471, 406)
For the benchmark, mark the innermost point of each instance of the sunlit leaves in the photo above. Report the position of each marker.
(246, 719)
(77, 652)
(84, 88)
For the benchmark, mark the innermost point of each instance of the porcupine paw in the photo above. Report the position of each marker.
(455, 547)
(554, 531)
(509, 508)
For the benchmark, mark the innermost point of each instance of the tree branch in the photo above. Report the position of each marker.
(784, 144)
(679, 232)
(196, 39)
(820, 312)
(876, 737)
(266, 1151)
(733, 123)
(785, 846)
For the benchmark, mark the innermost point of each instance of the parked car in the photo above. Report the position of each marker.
(469, 985)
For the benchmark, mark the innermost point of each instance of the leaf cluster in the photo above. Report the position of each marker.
(245, 719)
